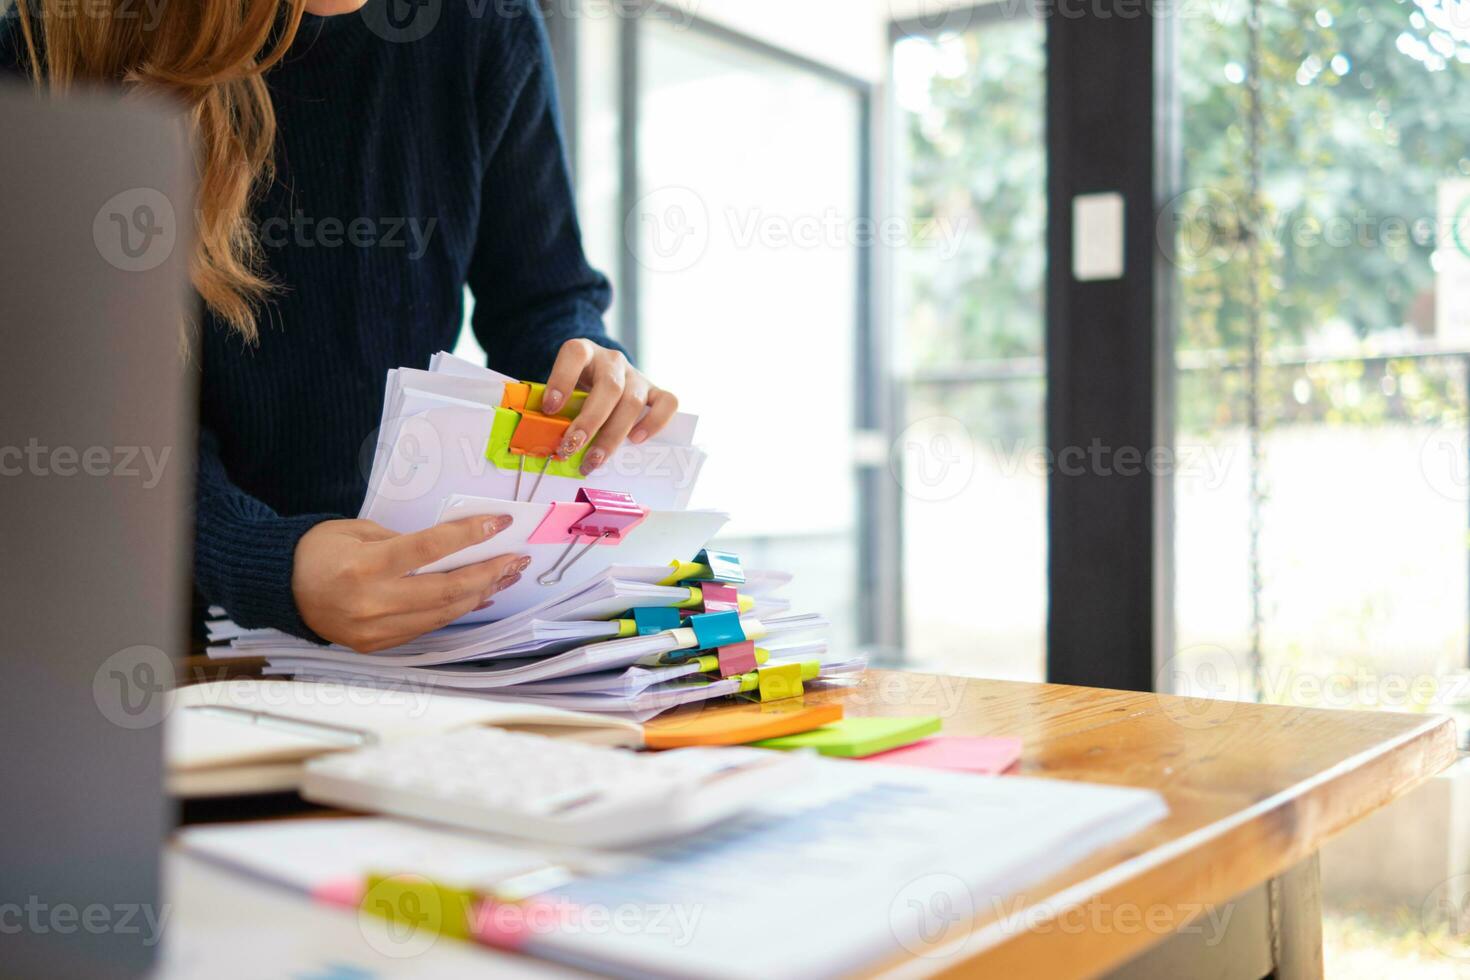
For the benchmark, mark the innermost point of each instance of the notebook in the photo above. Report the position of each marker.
(251, 736)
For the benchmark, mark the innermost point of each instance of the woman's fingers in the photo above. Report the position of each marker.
(571, 361)
(351, 583)
(407, 626)
(625, 414)
(444, 590)
(407, 552)
(608, 381)
(661, 408)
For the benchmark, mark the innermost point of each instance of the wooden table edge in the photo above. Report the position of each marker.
(1190, 873)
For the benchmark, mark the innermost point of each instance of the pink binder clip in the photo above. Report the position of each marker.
(612, 514)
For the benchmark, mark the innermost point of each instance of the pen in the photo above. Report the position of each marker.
(316, 729)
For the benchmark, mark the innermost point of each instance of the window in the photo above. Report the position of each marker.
(745, 241)
(970, 283)
(1323, 339)
(1323, 342)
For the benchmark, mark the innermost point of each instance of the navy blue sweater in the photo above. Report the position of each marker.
(406, 168)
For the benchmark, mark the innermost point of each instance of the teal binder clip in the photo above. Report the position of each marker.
(717, 629)
(656, 619)
(724, 566)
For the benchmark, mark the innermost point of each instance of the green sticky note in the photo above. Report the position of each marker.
(853, 738)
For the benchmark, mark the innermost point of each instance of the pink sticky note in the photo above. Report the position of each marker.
(346, 892)
(956, 753)
(511, 925)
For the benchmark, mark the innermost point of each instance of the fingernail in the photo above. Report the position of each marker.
(521, 564)
(507, 582)
(550, 402)
(594, 461)
(497, 524)
(484, 605)
(638, 436)
(572, 442)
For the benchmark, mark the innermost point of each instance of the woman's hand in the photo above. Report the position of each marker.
(618, 396)
(352, 584)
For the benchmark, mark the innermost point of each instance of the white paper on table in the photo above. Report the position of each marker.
(226, 924)
(889, 857)
(309, 855)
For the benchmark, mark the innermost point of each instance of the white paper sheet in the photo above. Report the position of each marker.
(431, 444)
(878, 863)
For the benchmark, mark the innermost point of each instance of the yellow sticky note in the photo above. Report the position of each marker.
(682, 570)
(783, 681)
(414, 903)
(570, 410)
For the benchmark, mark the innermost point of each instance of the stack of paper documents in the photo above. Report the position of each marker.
(623, 609)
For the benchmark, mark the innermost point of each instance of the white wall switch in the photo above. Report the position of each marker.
(1097, 237)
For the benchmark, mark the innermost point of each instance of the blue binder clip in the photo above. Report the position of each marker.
(724, 566)
(718, 629)
(656, 619)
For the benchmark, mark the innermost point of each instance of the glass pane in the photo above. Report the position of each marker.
(1323, 339)
(748, 241)
(970, 289)
(599, 130)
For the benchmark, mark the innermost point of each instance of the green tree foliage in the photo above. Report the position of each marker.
(1363, 109)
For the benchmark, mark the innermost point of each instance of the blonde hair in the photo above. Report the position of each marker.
(210, 55)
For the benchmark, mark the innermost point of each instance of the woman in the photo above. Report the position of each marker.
(356, 171)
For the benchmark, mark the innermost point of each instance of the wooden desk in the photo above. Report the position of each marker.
(1253, 791)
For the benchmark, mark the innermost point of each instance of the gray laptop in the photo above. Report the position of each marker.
(96, 458)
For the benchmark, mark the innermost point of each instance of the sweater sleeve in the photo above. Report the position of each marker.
(533, 287)
(244, 551)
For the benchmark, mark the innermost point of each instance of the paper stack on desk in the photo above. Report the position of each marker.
(623, 608)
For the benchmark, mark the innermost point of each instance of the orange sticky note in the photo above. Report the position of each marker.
(736, 726)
